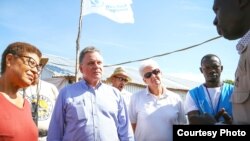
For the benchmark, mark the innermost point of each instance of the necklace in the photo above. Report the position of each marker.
(216, 109)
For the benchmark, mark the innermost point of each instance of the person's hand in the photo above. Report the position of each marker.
(205, 119)
(219, 114)
(227, 119)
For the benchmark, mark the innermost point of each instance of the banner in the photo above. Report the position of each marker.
(119, 11)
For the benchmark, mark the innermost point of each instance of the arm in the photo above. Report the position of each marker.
(193, 114)
(227, 118)
(125, 131)
(132, 112)
(56, 127)
(195, 117)
(181, 117)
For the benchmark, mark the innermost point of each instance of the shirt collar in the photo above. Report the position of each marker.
(243, 42)
(163, 95)
(85, 83)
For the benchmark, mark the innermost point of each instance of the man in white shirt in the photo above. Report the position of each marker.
(154, 110)
(119, 79)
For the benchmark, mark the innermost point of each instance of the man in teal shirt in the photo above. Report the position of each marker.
(210, 103)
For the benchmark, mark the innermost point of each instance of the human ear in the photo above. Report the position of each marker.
(8, 59)
(80, 68)
(201, 70)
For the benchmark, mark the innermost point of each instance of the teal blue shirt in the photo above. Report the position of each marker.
(204, 106)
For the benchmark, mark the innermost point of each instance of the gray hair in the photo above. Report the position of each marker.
(147, 63)
(87, 50)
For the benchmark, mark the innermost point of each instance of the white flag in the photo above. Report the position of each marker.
(119, 11)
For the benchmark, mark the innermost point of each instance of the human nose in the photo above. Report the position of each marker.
(215, 22)
(36, 70)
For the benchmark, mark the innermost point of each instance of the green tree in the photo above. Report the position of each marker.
(229, 81)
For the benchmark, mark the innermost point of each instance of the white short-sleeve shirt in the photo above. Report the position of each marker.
(154, 117)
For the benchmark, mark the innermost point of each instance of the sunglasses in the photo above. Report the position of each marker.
(122, 79)
(149, 74)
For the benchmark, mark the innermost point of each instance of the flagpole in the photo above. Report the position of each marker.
(78, 42)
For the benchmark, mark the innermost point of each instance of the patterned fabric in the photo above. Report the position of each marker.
(242, 44)
(47, 98)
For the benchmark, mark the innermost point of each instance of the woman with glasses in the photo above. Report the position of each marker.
(19, 67)
(154, 110)
(42, 97)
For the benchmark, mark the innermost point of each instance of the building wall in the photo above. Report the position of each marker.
(133, 88)
(60, 82)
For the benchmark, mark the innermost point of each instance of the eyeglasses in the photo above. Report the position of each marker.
(32, 63)
(149, 74)
(122, 79)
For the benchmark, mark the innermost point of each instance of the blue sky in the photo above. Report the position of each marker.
(160, 26)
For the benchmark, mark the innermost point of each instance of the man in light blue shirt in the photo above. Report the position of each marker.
(90, 110)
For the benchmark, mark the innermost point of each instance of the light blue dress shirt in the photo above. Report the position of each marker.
(84, 113)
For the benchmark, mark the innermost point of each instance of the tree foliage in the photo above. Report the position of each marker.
(229, 81)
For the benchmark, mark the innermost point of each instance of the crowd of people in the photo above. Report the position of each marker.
(32, 109)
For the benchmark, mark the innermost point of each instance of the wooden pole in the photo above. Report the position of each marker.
(78, 43)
